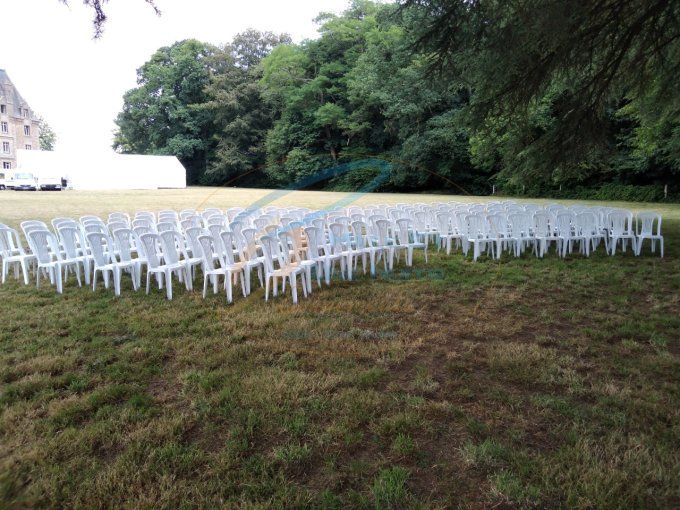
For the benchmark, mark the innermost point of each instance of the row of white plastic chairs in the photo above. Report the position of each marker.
(283, 243)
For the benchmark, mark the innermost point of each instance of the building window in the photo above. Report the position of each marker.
(27, 130)
(26, 112)
(5, 147)
(3, 108)
(28, 147)
(6, 165)
(4, 127)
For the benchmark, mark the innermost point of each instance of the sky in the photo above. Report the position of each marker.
(77, 83)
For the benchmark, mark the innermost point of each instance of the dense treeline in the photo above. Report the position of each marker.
(501, 99)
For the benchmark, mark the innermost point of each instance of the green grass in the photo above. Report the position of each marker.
(520, 383)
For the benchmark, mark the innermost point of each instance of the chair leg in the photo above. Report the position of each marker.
(293, 287)
(266, 288)
(229, 287)
(168, 284)
(116, 280)
(58, 279)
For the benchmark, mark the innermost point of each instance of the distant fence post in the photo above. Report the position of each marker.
(493, 189)
(665, 191)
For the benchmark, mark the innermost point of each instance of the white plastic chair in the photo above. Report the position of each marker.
(105, 262)
(587, 227)
(75, 249)
(620, 227)
(275, 268)
(127, 243)
(13, 254)
(407, 239)
(157, 265)
(45, 246)
(645, 230)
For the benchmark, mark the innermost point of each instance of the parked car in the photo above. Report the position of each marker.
(2, 181)
(49, 183)
(24, 181)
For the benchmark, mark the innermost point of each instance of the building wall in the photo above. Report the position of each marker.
(15, 116)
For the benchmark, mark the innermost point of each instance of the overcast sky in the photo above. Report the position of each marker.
(77, 83)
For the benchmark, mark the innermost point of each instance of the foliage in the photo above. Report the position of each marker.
(454, 95)
(548, 78)
(47, 136)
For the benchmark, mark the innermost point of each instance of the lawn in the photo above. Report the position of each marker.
(513, 383)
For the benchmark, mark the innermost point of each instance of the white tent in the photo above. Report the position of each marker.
(105, 171)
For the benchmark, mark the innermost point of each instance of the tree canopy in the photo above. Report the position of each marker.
(531, 97)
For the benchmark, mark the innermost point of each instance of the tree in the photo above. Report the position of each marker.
(165, 113)
(240, 115)
(47, 136)
(545, 75)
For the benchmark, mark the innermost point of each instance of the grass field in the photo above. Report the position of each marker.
(513, 383)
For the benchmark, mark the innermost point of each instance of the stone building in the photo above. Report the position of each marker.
(19, 126)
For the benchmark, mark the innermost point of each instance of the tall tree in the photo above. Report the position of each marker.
(47, 136)
(164, 114)
(240, 115)
(546, 74)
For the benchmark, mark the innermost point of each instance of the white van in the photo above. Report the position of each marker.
(24, 181)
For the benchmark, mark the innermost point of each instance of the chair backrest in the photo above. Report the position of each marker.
(100, 248)
(338, 236)
(61, 221)
(166, 226)
(190, 222)
(44, 245)
(497, 225)
(187, 213)
(542, 224)
(381, 231)
(150, 244)
(360, 232)
(207, 251)
(271, 250)
(115, 225)
(140, 231)
(10, 243)
(564, 222)
(125, 241)
(228, 242)
(249, 239)
(443, 223)
(586, 223)
(120, 216)
(96, 228)
(192, 234)
(172, 246)
(144, 222)
(474, 226)
(645, 223)
(315, 241)
(90, 217)
(620, 223)
(520, 224)
(404, 229)
(73, 241)
(262, 222)
(146, 215)
(215, 231)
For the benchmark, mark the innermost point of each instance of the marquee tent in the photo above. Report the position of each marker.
(105, 171)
